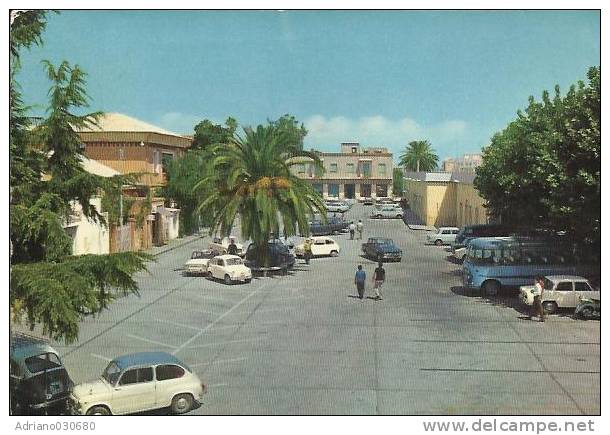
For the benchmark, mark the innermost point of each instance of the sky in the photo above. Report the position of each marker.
(385, 78)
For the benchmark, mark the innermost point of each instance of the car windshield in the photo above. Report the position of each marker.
(111, 374)
(548, 284)
(199, 254)
(385, 241)
(42, 362)
(233, 261)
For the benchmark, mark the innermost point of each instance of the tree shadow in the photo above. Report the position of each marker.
(452, 259)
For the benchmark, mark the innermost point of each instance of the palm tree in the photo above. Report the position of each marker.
(251, 177)
(419, 155)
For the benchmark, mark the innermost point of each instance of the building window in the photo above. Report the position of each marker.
(301, 168)
(354, 149)
(166, 160)
(381, 169)
(333, 190)
(317, 187)
(121, 153)
(366, 169)
(381, 190)
(351, 168)
(333, 167)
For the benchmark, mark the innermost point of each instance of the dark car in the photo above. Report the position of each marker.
(382, 249)
(279, 254)
(39, 382)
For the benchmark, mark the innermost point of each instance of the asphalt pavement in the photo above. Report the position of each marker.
(304, 343)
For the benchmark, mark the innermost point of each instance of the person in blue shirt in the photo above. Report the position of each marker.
(359, 280)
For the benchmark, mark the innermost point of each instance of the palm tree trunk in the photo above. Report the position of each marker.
(417, 165)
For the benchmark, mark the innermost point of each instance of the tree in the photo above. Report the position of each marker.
(398, 183)
(544, 168)
(207, 133)
(251, 178)
(49, 287)
(419, 156)
(289, 126)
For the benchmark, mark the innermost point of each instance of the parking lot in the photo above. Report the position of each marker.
(304, 344)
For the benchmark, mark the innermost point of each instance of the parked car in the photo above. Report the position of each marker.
(336, 206)
(140, 382)
(229, 268)
(366, 200)
(560, 291)
(38, 381)
(382, 249)
(280, 258)
(198, 264)
(387, 211)
(588, 308)
(334, 225)
(320, 246)
(219, 246)
(460, 253)
(444, 236)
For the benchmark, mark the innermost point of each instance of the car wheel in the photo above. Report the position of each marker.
(378, 216)
(491, 288)
(587, 313)
(98, 410)
(209, 275)
(248, 281)
(182, 403)
(227, 279)
(284, 271)
(549, 307)
(398, 216)
(439, 243)
(334, 253)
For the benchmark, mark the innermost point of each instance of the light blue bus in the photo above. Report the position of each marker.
(494, 262)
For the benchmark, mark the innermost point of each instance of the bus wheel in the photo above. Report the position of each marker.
(491, 288)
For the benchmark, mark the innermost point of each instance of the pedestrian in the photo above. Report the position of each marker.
(352, 230)
(307, 250)
(378, 280)
(232, 248)
(359, 280)
(538, 309)
(360, 228)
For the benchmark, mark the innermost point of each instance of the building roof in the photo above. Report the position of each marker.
(119, 122)
(97, 168)
(443, 177)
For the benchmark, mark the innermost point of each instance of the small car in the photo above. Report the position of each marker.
(560, 291)
(198, 264)
(444, 236)
(387, 211)
(320, 246)
(366, 200)
(39, 382)
(220, 246)
(280, 258)
(140, 382)
(382, 249)
(229, 268)
(336, 206)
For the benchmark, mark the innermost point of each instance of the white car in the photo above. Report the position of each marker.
(444, 236)
(198, 264)
(229, 268)
(387, 211)
(560, 291)
(320, 246)
(140, 382)
(220, 246)
(336, 206)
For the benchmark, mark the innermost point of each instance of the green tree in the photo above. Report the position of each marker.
(49, 287)
(290, 128)
(544, 168)
(207, 133)
(398, 182)
(251, 178)
(419, 156)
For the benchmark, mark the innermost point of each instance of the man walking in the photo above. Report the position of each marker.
(352, 230)
(360, 228)
(359, 280)
(307, 248)
(378, 279)
(538, 308)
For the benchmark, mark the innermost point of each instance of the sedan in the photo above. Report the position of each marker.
(387, 212)
(560, 291)
(140, 382)
(229, 268)
(320, 246)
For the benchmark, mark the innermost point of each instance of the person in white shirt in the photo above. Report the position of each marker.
(538, 308)
(360, 228)
(352, 230)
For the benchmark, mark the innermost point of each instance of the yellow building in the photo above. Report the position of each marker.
(445, 199)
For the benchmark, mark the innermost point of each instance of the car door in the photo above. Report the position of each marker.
(135, 391)
(582, 289)
(564, 294)
(169, 378)
(317, 247)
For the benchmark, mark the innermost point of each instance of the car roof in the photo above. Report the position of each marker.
(566, 277)
(146, 358)
(227, 256)
(448, 228)
(24, 346)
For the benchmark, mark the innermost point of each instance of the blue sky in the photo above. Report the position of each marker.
(380, 78)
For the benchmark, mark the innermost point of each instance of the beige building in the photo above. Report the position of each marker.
(353, 173)
(465, 164)
(445, 199)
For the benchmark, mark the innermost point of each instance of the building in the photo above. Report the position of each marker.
(445, 199)
(465, 164)
(129, 145)
(353, 173)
